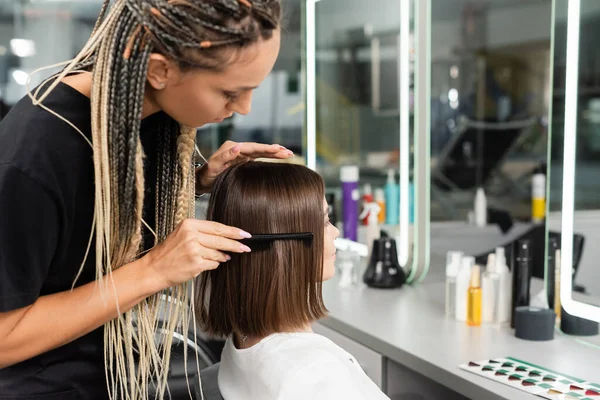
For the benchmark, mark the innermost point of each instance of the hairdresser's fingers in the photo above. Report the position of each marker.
(214, 255)
(240, 152)
(210, 265)
(221, 243)
(213, 228)
(258, 150)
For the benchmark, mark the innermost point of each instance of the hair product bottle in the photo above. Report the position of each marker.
(474, 298)
(490, 288)
(392, 199)
(453, 261)
(521, 277)
(367, 198)
(538, 196)
(504, 299)
(350, 197)
(462, 287)
(380, 199)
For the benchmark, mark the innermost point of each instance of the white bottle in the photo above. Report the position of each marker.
(480, 208)
(463, 279)
(505, 293)
(490, 288)
(373, 230)
(453, 260)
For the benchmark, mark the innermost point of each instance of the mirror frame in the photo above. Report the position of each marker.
(570, 305)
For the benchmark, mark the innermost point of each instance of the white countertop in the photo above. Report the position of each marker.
(408, 326)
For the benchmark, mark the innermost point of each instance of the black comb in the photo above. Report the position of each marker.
(279, 236)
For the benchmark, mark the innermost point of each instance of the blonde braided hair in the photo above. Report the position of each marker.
(193, 33)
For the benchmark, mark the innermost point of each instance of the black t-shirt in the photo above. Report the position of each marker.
(46, 210)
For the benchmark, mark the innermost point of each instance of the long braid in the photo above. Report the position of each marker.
(192, 33)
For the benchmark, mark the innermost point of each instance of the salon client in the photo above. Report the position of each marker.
(97, 187)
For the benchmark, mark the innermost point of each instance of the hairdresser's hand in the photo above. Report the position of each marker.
(193, 247)
(231, 153)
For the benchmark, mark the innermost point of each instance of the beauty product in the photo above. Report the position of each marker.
(480, 208)
(474, 298)
(550, 268)
(348, 258)
(453, 260)
(347, 263)
(521, 277)
(504, 299)
(392, 199)
(350, 197)
(367, 198)
(490, 288)
(557, 303)
(380, 200)
(373, 231)
(463, 280)
(538, 196)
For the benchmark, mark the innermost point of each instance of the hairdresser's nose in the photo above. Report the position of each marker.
(243, 104)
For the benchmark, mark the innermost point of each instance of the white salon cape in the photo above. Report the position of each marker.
(293, 366)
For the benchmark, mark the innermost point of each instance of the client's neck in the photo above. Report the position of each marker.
(245, 342)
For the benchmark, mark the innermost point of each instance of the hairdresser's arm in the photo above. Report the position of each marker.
(231, 153)
(60, 318)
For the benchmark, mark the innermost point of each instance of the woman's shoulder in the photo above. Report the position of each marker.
(316, 367)
(43, 142)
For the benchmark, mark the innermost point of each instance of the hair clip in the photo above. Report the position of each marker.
(246, 3)
(280, 236)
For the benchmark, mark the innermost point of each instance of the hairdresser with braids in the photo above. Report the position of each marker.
(96, 193)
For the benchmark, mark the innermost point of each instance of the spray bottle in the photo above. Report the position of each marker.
(392, 199)
(504, 299)
(490, 286)
(371, 212)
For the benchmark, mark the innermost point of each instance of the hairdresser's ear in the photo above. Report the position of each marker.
(161, 71)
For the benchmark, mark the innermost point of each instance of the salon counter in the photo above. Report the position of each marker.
(408, 329)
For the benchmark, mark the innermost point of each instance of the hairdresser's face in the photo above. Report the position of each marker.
(331, 233)
(198, 97)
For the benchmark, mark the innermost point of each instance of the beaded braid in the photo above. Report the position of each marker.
(194, 33)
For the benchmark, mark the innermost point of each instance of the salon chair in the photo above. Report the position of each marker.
(210, 384)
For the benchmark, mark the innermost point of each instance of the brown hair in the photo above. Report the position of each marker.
(276, 287)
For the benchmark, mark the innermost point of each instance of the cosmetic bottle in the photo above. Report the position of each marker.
(463, 280)
(380, 200)
(373, 231)
(480, 208)
(392, 199)
(538, 196)
(504, 299)
(367, 198)
(521, 277)
(474, 298)
(490, 288)
(350, 197)
(453, 260)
